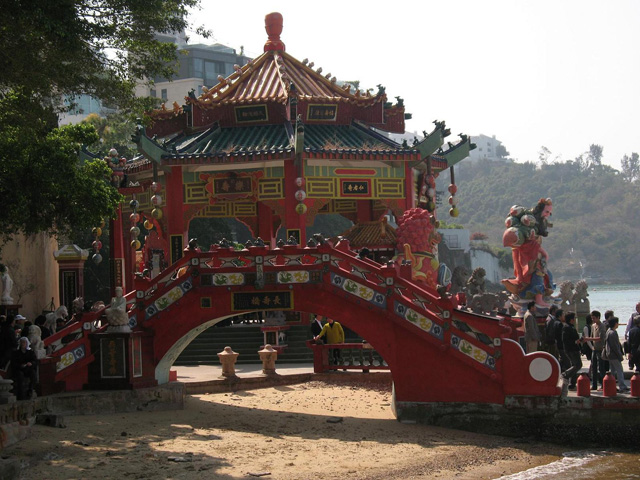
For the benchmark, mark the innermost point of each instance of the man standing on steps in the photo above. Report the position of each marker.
(531, 330)
(335, 334)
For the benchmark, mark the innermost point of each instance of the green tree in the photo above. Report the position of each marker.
(630, 167)
(114, 131)
(97, 47)
(43, 185)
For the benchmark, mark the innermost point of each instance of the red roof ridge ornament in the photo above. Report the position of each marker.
(273, 26)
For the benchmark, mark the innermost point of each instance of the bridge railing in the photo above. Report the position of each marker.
(388, 287)
(354, 357)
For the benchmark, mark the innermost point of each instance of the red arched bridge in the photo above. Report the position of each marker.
(435, 351)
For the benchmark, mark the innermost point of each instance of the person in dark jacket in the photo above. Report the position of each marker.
(634, 344)
(8, 340)
(571, 343)
(562, 358)
(550, 331)
(615, 354)
(24, 366)
(316, 328)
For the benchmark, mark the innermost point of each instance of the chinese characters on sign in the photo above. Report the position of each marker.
(232, 185)
(112, 361)
(117, 268)
(322, 112)
(262, 301)
(355, 188)
(253, 113)
(176, 248)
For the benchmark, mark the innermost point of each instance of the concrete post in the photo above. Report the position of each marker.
(268, 356)
(228, 360)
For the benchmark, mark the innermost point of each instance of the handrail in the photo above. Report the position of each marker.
(365, 362)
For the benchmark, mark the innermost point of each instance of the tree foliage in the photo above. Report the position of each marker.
(62, 49)
(96, 47)
(594, 230)
(43, 185)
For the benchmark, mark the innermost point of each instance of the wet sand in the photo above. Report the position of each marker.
(313, 430)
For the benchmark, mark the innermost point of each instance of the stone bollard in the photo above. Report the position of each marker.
(5, 392)
(268, 356)
(228, 360)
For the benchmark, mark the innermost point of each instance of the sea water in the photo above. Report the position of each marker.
(581, 464)
(584, 464)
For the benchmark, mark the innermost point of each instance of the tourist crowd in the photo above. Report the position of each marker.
(598, 342)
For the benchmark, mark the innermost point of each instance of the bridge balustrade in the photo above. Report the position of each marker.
(355, 357)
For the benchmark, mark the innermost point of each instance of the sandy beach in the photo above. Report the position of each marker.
(313, 430)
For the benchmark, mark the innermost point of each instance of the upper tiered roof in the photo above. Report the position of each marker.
(275, 107)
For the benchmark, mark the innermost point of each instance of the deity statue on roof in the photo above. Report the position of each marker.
(525, 229)
(116, 164)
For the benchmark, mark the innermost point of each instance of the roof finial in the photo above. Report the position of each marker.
(273, 26)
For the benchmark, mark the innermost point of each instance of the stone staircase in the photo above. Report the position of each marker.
(246, 340)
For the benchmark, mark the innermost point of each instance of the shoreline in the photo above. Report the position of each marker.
(317, 429)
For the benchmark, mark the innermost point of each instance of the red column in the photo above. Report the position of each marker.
(409, 186)
(364, 210)
(117, 253)
(292, 219)
(265, 224)
(174, 213)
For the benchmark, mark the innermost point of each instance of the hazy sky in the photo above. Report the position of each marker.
(558, 73)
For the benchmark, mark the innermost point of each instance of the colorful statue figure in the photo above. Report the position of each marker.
(418, 241)
(525, 229)
(117, 166)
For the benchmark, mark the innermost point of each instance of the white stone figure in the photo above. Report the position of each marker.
(37, 345)
(117, 315)
(7, 285)
(51, 321)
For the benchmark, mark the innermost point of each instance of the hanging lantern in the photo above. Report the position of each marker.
(135, 218)
(135, 231)
(453, 211)
(97, 245)
(300, 195)
(301, 209)
(96, 231)
(148, 224)
(431, 192)
(453, 189)
(102, 223)
(453, 200)
(156, 200)
(156, 187)
(97, 258)
(299, 182)
(135, 244)
(156, 213)
(134, 204)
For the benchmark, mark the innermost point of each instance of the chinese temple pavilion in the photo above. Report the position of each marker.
(273, 145)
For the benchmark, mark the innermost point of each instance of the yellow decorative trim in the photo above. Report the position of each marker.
(388, 188)
(321, 188)
(270, 189)
(195, 193)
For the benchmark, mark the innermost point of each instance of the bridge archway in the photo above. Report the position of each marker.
(434, 351)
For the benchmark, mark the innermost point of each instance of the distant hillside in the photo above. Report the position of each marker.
(596, 222)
